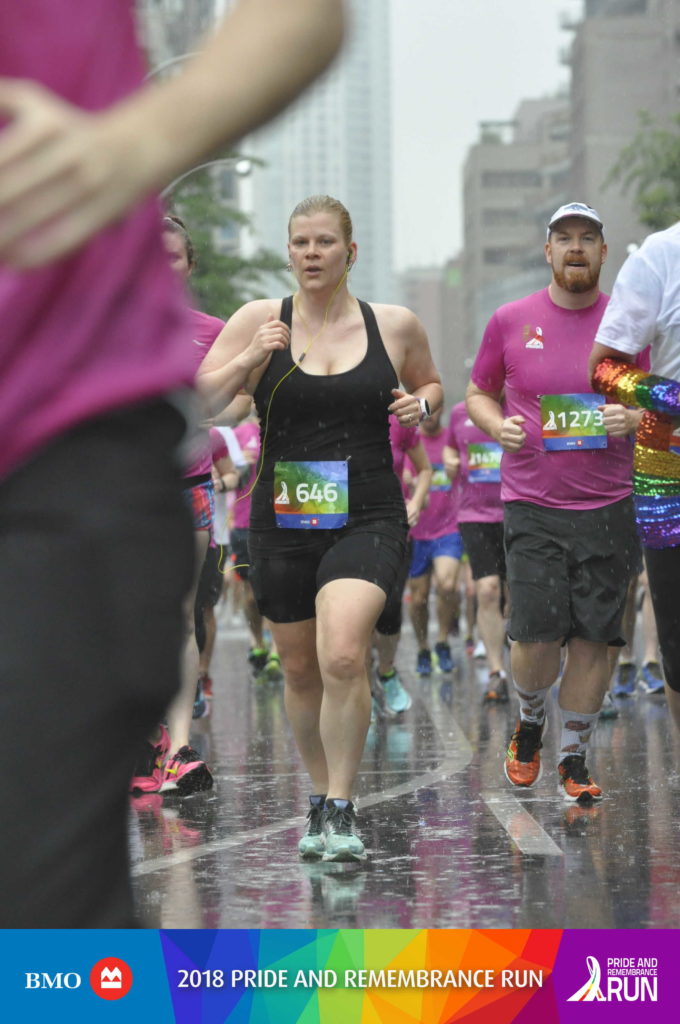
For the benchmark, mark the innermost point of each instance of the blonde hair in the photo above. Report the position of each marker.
(324, 204)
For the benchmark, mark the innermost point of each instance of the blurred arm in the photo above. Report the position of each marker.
(66, 173)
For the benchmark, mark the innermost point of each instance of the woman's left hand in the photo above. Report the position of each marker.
(406, 408)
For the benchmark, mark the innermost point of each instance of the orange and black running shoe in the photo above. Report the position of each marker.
(576, 782)
(523, 759)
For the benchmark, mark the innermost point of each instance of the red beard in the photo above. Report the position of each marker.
(577, 279)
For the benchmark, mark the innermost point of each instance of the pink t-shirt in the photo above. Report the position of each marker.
(532, 348)
(440, 515)
(402, 439)
(106, 327)
(480, 483)
(204, 330)
(248, 436)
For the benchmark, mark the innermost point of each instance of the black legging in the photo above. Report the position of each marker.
(663, 569)
(389, 623)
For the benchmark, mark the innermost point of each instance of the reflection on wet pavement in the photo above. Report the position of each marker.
(451, 844)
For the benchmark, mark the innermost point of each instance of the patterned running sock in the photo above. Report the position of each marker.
(577, 728)
(532, 705)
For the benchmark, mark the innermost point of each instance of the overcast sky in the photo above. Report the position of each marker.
(455, 63)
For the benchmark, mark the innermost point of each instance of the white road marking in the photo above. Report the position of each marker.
(529, 837)
(457, 755)
(522, 827)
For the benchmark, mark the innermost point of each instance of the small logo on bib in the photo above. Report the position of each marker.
(283, 498)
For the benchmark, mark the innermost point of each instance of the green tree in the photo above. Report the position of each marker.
(650, 164)
(223, 278)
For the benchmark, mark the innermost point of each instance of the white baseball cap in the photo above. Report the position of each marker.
(576, 210)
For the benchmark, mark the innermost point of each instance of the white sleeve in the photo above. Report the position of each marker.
(233, 447)
(630, 320)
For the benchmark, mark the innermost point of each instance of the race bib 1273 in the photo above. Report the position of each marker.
(572, 422)
(311, 495)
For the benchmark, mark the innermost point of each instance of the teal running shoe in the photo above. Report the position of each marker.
(342, 841)
(313, 842)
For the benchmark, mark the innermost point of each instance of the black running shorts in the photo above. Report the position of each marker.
(287, 572)
(210, 580)
(96, 555)
(568, 571)
(484, 547)
(389, 623)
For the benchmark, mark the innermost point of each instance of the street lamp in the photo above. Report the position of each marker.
(170, 62)
(241, 165)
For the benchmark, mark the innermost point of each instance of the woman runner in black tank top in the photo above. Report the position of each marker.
(328, 526)
(340, 416)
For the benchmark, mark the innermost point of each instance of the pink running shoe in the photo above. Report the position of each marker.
(148, 774)
(186, 773)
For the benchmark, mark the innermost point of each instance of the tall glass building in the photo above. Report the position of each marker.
(336, 140)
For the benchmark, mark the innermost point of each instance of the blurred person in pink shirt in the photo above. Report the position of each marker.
(95, 374)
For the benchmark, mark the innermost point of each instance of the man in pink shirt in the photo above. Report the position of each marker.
(566, 481)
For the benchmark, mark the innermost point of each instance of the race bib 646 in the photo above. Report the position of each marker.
(311, 495)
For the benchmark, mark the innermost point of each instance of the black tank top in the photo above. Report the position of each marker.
(339, 416)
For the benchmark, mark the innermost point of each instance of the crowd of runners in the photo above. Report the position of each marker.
(351, 496)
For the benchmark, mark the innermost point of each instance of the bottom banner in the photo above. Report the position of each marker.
(340, 976)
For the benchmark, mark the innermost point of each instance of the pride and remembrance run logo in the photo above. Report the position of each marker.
(627, 979)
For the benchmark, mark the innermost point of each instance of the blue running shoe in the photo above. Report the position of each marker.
(651, 679)
(624, 680)
(424, 663)
(444, 659)
(396, 700)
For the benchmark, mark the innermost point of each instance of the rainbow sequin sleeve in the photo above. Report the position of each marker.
(632, 386)
(656, 467)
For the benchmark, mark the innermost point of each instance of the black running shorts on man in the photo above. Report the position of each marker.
(568, 570)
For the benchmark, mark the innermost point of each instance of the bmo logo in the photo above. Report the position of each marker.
(111, 978)
(42, 979)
